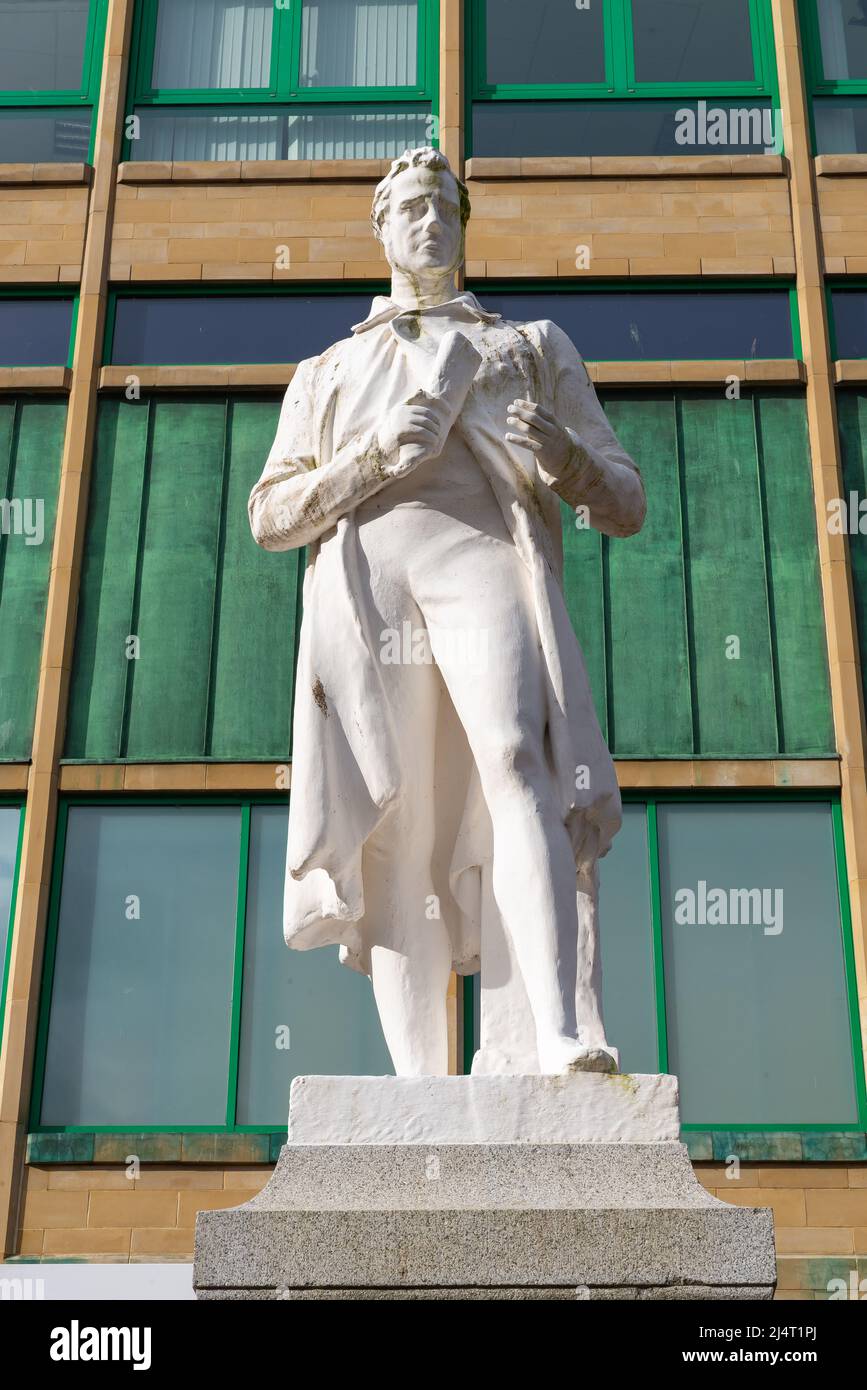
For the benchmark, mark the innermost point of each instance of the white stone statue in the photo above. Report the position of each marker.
(451, 789)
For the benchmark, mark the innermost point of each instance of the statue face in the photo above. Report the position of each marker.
(422, 228)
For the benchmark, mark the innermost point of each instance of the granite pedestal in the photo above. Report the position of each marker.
(484, 1187)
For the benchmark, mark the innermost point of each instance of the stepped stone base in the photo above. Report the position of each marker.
(358, 1207)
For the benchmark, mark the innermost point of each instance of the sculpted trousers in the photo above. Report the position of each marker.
(450, 585)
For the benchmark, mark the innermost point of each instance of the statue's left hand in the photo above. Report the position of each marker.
(537, 429)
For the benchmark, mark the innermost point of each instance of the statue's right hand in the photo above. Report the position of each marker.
(419, 425)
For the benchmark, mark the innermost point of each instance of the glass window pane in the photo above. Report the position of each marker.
(627, 949)
(627, 945)
(34, 332)
(850, 322)
(509, 129)
(548, 41)
(302, 132)
(655, 326)
(843, 33)
(692, 41)
(359, 43)
(339, 133)
(841, 126)
(139, 1030)
(302, 1012)
(756, 1001)
(206, 44)
(53, 136)
(233, 328)
(42, 45)
(10, 820)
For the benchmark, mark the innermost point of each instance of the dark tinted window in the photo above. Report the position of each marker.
(841, 126)
(34, 332)
(505, 129)
(181, 329)
(850, 322)
(56, 136)
(843, 34)
(42, 45)
(692, 40)
(646, 325)
(546, 41)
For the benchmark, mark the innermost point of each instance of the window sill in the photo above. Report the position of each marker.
(195, 777)
(250, 377)
(835, 164)
(704, 1146)
(851, 369)
(35, 378)
(251, 170)
(14, 777)
(673, 774)
(768, 372)
(629, 166)
(21, 175)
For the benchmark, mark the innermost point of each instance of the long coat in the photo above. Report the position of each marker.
(324, 461)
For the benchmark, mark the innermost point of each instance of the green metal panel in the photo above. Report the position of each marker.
(583, 584)
(727, 583)
(178, 544)
(255, 616)
(31, 445)
(169, 559)
(797, 618)
(728, 551)
(646, 581)
(105, 612)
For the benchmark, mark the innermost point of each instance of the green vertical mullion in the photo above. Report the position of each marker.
(797, 345)
(7, 956)
(7, 479)
(766, 570)
(218, 584)
(44, 1018)
(619, 19)
(288, 37)
(849, 960)
(429, 77)
(73, 326)
(656, 929)
(135, 598)
(465, 985)
(238, 972)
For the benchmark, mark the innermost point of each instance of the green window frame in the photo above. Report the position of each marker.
(10, 803)
(811, 41)
(620, 81)
(245, 805)
(839, 283)
(603, 285)
(284, 88)
(652, 801)
(86, 95)
(301, 289)
(49, 292)
(818, 85)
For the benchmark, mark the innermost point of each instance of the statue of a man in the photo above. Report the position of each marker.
(450, 780)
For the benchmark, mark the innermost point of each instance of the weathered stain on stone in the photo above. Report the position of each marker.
(319, 696)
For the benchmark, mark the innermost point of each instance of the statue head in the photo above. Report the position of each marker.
(420, 211)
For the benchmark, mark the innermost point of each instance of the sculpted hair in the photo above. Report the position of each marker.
(425, 157)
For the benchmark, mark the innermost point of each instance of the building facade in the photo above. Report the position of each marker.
(185, 190)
